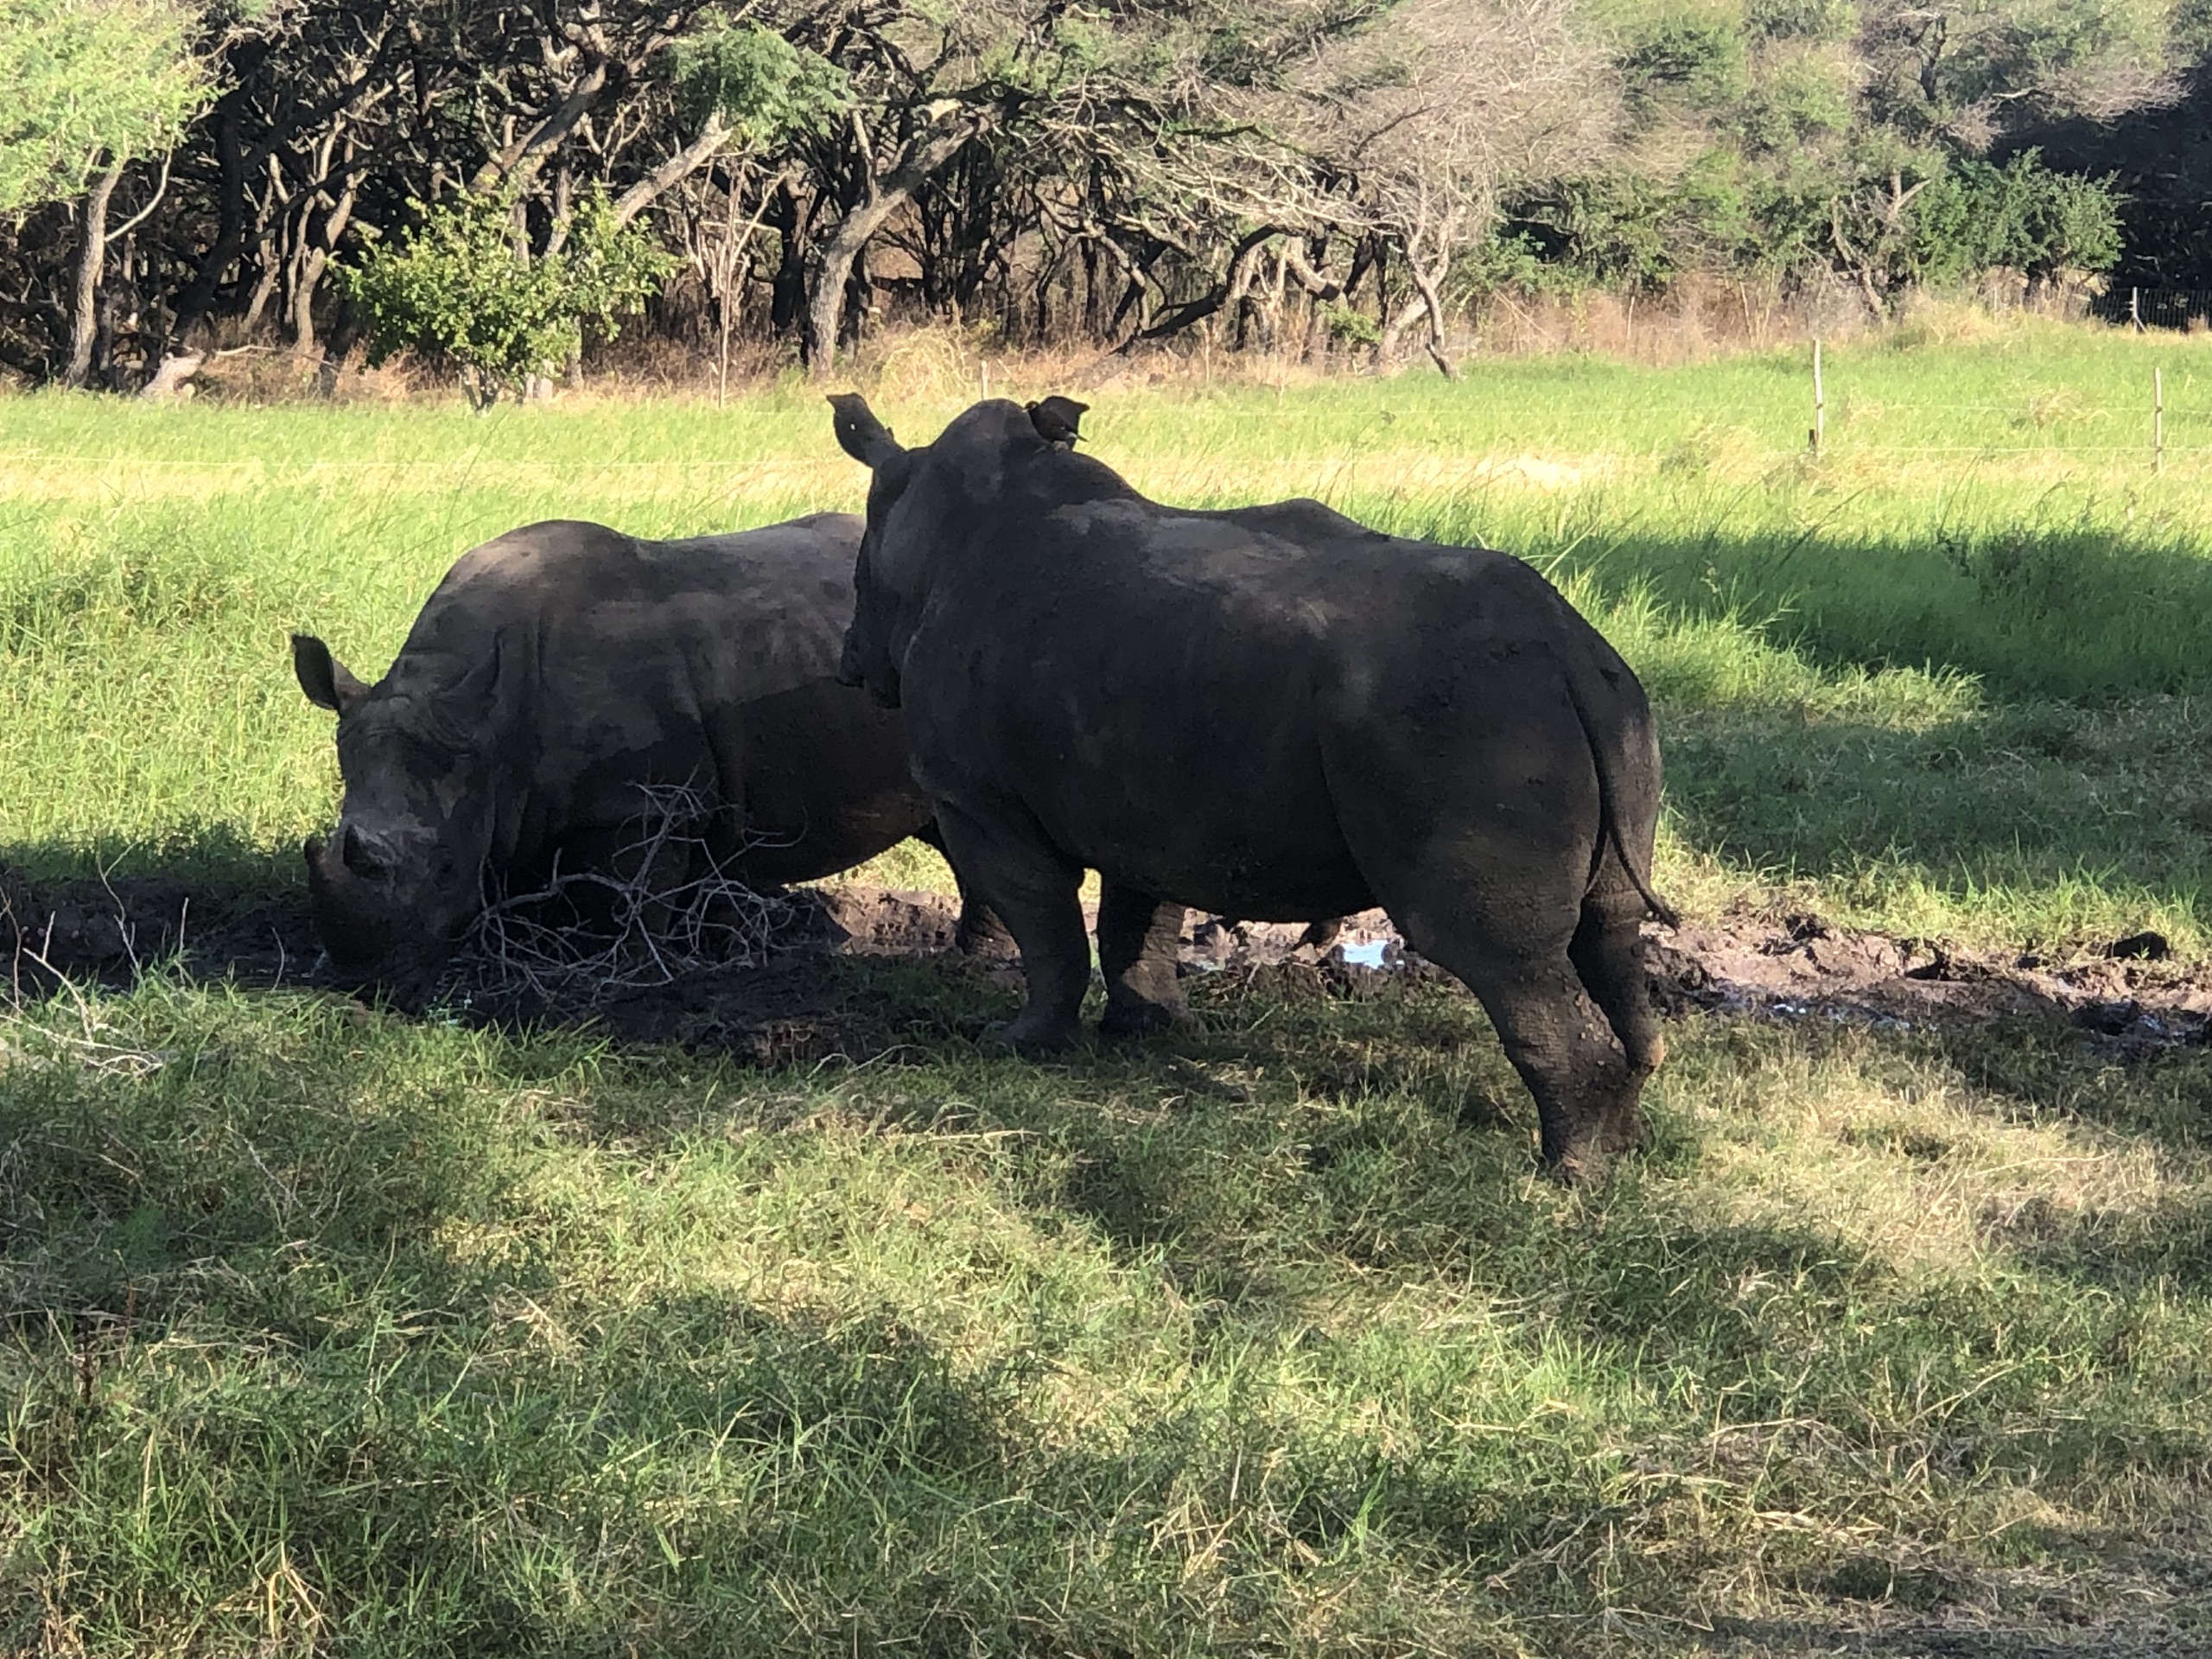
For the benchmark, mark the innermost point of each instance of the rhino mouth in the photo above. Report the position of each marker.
(405, 989)
(372, 949)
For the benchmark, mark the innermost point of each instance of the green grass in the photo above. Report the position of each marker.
(321, 1330)
(355, 1336)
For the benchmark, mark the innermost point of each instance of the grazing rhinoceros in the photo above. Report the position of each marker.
(1272, 713)
(556, 670)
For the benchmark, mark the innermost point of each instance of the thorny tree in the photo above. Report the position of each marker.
(1049, 169)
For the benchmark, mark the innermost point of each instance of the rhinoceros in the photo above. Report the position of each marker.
(556, 670)
(1273, 713)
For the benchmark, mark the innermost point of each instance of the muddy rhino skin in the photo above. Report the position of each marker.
(1271, 712)
(551, 673)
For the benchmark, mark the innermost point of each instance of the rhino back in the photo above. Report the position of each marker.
(1168, 686)
(622, 659)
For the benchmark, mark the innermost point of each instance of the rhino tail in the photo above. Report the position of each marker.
(1617, 724)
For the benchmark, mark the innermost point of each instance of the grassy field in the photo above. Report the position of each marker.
(326, 1331)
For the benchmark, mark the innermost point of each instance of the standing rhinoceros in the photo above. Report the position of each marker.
(554, 671)
(1272, 713)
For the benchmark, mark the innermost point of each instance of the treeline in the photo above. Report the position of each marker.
(491, 179)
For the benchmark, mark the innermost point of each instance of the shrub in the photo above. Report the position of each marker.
(2021, 215)
(459, 288)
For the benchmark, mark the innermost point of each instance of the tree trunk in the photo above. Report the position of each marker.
(91, 259)
(677, 167)
(826, 311)
(230, 222)
(318, 260)
(522, 158)
(1193, 312)
(1425, 282)
(172, 381)
(264, 289)
(787, 293)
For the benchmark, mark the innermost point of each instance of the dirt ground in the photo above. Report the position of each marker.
(863, 970)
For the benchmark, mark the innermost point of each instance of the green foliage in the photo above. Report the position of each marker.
(1778, 138)
(1801, 19)
(767, 89)
(459, 288)
(2022, 216)
(1349, 326)
(1513, 261)
(1692, 62)
(85, 78)
(2052, 58)
(1799, 97)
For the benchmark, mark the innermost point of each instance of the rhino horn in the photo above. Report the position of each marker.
(365, 852)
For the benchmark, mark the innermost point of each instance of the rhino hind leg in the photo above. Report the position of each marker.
(1518, 937)
(1586, 1091)
(1137, 940)
(980, 933)
(1034, 889)
(1607, 951)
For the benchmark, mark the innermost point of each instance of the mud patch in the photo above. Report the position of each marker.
(865, 972)
(808, 1006)
(109, 933)
(1796, 967)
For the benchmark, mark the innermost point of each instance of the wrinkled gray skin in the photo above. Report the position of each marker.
(555, 670)
(1270, 713)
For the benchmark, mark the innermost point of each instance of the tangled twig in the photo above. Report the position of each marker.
(88, 1046)
(681, 910)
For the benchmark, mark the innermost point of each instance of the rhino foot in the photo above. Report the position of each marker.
(1133, 1019)
(1589, 1157)
(1033, 1041)
(983, 937)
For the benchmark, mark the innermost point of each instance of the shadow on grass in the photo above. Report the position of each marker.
(214, 904)
(2047, 820)
(286, 1282)
(2059, 612)
(269, 1301)
(300, 1301)
(214, 860)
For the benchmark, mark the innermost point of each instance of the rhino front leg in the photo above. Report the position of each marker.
(1137, 936)
(1034, 889)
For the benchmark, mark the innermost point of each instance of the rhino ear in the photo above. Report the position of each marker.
(1057, 418)
(863, 437)
(327, 682)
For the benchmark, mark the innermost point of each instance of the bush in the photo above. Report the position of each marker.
(2021, 215)
(459, 288)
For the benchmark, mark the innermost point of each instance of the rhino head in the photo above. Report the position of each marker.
(890, 574)
(396, 886)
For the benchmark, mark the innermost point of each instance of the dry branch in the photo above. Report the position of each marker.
(672, 905)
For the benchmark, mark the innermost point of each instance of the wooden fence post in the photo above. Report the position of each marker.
(1820, 405)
